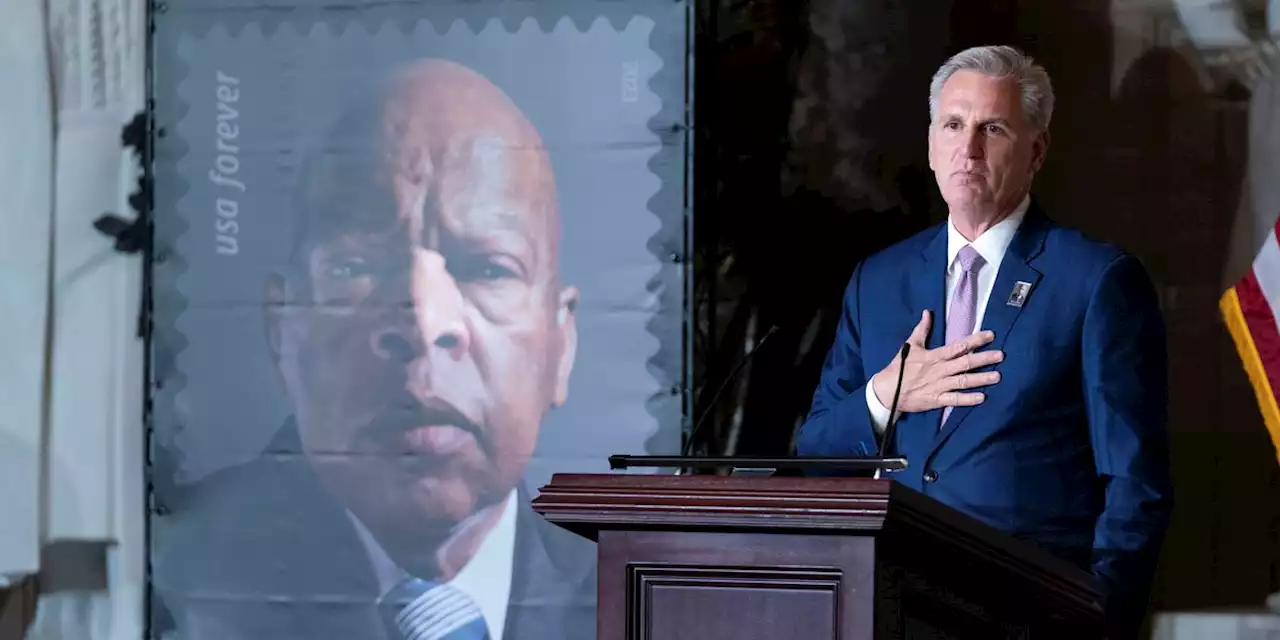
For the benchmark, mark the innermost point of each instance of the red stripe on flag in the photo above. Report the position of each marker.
(1261, 320)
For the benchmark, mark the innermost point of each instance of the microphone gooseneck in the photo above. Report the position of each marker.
(887, 440)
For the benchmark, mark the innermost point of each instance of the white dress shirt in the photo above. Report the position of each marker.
(991, 245)
(486, 579)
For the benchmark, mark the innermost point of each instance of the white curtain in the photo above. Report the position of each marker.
(71, 440)
(26, 210)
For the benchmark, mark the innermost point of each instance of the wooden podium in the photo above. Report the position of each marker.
(756, 558)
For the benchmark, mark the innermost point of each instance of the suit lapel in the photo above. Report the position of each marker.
(316, 522)
(927, 289)
(1000, 316)
(294, 540)
(553, 581)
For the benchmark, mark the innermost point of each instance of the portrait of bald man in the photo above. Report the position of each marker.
(421, 334)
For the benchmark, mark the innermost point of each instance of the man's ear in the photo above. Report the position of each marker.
(929, 147)
(275, 298)
(1039, 151)
(566, 324)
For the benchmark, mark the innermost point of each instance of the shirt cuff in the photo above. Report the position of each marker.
(879, 413)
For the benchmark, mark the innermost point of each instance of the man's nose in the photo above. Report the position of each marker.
(974, 143)
(436, 319)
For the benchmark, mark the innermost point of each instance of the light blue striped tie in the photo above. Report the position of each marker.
(422, 610)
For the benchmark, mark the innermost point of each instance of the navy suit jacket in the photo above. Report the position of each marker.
(1069, 449)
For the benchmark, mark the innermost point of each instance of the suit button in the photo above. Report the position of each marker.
(931, 476)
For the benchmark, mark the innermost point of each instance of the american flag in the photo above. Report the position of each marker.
(1250, 309)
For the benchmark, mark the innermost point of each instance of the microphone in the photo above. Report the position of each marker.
(706, 413)
(887, 440)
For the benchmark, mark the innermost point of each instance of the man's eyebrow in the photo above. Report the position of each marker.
(498, 219)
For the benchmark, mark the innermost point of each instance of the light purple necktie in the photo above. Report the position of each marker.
(964, 302)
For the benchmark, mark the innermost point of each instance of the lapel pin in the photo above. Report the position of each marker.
(1018, 296)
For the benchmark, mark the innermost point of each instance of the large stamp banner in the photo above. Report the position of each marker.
(412, 259)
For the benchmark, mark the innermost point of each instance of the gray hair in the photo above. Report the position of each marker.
(1001, 62)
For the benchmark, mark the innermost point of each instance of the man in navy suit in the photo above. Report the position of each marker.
(1034, 392)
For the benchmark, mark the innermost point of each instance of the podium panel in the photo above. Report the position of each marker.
(742, 558)
(662, 584)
